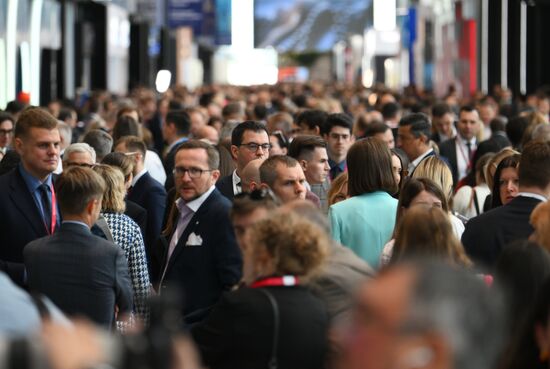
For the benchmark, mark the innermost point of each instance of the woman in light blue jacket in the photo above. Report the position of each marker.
(365, 221)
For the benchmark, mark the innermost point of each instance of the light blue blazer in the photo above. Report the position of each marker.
(364, 223)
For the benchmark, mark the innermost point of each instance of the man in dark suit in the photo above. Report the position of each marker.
(443, 120)
(27, 195)
(459, 151)
(202, 255)
(81, 273)
(249, 141)
(413, 137)
(145, 190)
(174, 131)
(488, 233)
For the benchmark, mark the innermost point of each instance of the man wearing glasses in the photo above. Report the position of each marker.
(249, 141)
(6, 132)
(202, 257)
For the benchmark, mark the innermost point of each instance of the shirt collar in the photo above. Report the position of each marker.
(341, 165)
(175, 143)
(31, 181)
(76, 222)
(417, 161)
(195, 204)
(533, 195)
(237, 185)
(138, 176)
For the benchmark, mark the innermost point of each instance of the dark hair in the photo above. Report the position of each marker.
(303, 146)
(180, 119)
(338, 120)
(404, 160)
(268, 169)
(260, 112)
(412, 187)
(508, 162)
(231, 109)
(6, 116)
(65, 113)
(375, 128)
(101, 142)
(389, 110)
(312, 118)
(515, 130)
(369, 167)
(15, 106)
(467, 109)
(76, 187)
(211, 151)
(248, 125)
(10, 160)
(534, 167)
(441, 109)
(419, 123)
(125, 126)
(245, 202)
(281, 138)
(498, 124)
(121, 161)
(34, 117)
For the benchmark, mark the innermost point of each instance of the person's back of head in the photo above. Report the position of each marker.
(534, 170)
(441, 109)
(180, 119)
(75, 188)
(375, 128)
(233, 111)
(390, 111)
(313, 119)
(498, 124)
(126, 126)
(515, 130)
(100, 140)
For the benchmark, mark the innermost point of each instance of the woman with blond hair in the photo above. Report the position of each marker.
(127, 235)
(274, 319)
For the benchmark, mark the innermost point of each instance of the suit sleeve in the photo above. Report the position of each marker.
(155, 216)
(123, 283)
(228, 257)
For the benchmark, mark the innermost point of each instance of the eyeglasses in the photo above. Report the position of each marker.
(193, 172)
(5, 132)
(252, 146)
(258, 195)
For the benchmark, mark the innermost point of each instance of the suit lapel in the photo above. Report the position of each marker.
(23, 200)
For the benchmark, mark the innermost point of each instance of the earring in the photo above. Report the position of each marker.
(543, 357)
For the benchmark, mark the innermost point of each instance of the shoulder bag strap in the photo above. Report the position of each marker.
(272, 364)
(476, 203)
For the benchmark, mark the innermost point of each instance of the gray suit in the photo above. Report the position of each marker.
(81, 273)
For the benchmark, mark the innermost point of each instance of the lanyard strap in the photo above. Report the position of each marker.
(54, 211)
(286, 280)
(467, 158)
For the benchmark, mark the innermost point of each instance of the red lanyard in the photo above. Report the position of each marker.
(286, 280)
(54, 211)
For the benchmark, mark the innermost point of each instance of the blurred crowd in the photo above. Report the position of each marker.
(287, 226)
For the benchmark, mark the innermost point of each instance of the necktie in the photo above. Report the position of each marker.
(469, 147)
(46, 206)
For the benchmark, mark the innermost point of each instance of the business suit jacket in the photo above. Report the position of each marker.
(239, 331)
(486, 234)
(150, 194)
(138, 215)
(225, 186)
(81, 273)
(20, 223)
(204, 271)
(447, 149)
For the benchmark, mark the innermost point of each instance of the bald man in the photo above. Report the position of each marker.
(250, 176)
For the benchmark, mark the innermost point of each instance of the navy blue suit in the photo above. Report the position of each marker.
(150, 194)
(204, 271)
(225, 186)
(20, 223)
(486, 234)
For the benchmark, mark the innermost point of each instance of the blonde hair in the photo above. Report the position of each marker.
(435, 169)
(113, 198)
(336, 190)
(427, 232)
(540, 219)
(296, 246)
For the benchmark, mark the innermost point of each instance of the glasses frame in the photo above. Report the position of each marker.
(253, 146)
(188, 171)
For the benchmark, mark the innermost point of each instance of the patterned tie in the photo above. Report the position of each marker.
(46, 205)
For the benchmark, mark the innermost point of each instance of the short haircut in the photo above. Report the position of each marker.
(467, 109)
(80, 147)
(76, 187)
(180, 119)
(212, 153)
(121, 161)
(390, 110)
(419, 123)
(133, 143)
(370, 167)
(441, 109)
(375, 128)
(100, 140)
(534, 168)
(15, 106)
(268, 169)
(231, 109)
(248, 125)
(64, 130)
(312, 118)
(338, 120)
(34, 117)
(515, 130)
(498, 124)
(113, 197)
(65, 113)
(6, 116)
(126, 126)
(302, 147)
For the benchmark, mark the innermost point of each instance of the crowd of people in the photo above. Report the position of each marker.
(288, 226)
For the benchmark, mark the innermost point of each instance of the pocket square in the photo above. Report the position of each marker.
(193, 240)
